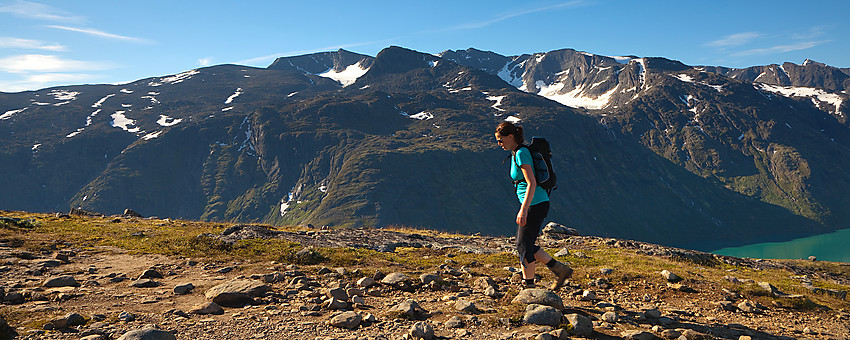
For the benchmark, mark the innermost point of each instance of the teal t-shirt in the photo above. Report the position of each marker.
(524, 157)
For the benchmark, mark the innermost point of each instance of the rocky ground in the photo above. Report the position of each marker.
(108, 293)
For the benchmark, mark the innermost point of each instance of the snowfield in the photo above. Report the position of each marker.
(347, 76)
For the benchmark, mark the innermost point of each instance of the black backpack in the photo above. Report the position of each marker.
(541, 156)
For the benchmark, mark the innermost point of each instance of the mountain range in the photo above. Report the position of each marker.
(645, 148)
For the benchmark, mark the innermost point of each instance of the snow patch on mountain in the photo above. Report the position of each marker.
(11, 113)
(507, 76)
(122, 122)
(805, 92)
(62, 95)
(233, 96)
(498, 100)
(347, 76)
(88, 122)
(576, 97)
(175, 79)
(99, 103)
(126, 91)
(152, 135)
(168, 121)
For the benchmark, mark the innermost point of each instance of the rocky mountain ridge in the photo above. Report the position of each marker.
(404, 138)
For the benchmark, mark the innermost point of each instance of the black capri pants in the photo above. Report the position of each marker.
(526, 236)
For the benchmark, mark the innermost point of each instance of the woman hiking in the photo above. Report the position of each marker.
(532, 212)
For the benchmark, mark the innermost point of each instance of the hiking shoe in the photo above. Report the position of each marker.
(524, 285)
(562, 273)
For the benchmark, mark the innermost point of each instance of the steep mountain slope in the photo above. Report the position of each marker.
(405, 138)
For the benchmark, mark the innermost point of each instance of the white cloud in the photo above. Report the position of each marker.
(504, 17)
(32, 10)
(736, 39)
(9, 42)
(40, 81)
(99, 33)
(205, 61)
(781, 48)
(47, 63)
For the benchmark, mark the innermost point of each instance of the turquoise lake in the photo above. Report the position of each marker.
(834, 246)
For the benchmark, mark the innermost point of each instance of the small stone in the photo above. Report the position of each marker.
(336, 304)
(809, 331)
(358, 300)
(670, 334)
(606, 271)
(148, 333)
(428, 278)
(144, 283)
(560, 334)
(366, 282)
(669, 276)
(61, 281)
(207, 308)
(610, 317)
(587, 296)
(541, 297)
(728, 306)
(183, 289)
(422, 330)
(411, 309)
(563, 252)
(348, 320)
(150, 274)
(393, 278)
(582, 326)
(652, 314)
(491, 292)
(637, 335)
(126, 316)
(542, 315)
(337, 293)
(813, 258)
(454, 322)
(466, 306)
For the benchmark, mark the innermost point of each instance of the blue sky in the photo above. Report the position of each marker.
(52, 43)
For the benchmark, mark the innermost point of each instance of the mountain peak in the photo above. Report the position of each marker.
(316, 63)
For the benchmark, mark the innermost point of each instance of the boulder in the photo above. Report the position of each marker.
(183, 289)
(610, 317)
(410, 309)
(540, 297)
(144, 283)
(61, 281)
(542, 315)
(466, 306)
(555, 228)
(366, 282)
(236, 293)
(207, 308)
(421, 330)
(394, 279)
(348, 320)
(670, 276)
(131, 213)
(637, 335)
(582, 326)
(147, 333)
(150, 274)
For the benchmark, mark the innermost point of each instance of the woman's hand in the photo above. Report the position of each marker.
(521, 216)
